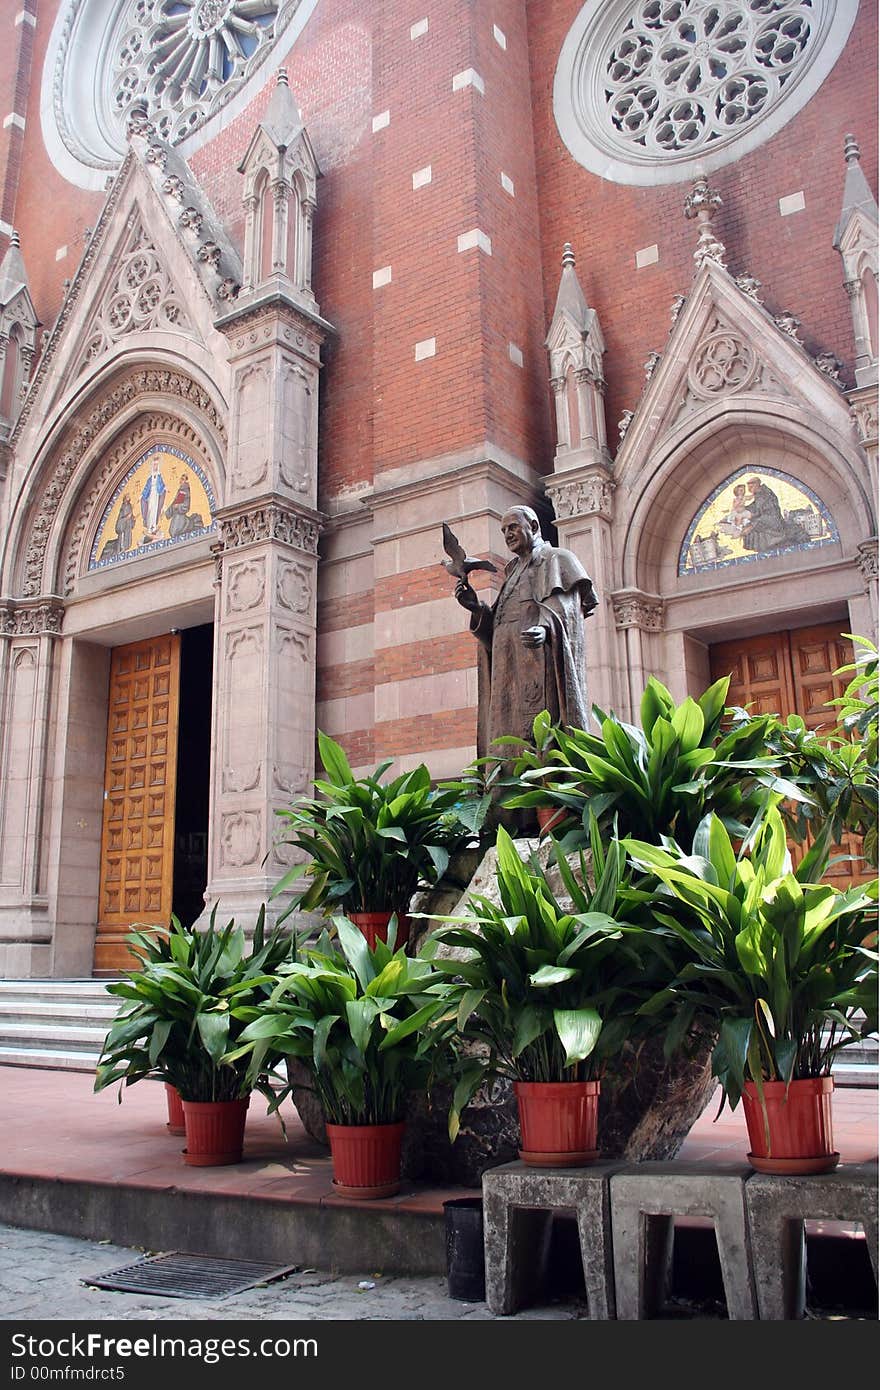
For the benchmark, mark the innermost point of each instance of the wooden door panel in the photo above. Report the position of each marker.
(792, 673)
(137, 845)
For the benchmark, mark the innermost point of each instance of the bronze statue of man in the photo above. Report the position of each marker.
(532, 648)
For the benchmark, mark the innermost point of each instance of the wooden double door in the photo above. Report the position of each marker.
(786, 673)
(137, 841)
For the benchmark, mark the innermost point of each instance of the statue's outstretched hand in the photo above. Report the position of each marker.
(533, 636)
(466, 596)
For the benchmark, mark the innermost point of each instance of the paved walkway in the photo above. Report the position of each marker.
(40, 1274)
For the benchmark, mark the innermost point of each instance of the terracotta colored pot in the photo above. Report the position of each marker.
(799, 1125)
(558, 1121)
(214, 1131)
(366, 1159)
(374, 926)
(549, 817)
(176, 1123)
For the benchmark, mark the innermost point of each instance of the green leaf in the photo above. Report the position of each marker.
(578, 1031)
(552, 975)
(334, 761)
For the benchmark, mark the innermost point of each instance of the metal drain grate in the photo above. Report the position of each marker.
(178, 1274)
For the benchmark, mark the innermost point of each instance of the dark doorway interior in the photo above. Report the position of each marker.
(193, 773)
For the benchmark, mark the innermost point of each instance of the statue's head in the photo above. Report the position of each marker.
(521, 529)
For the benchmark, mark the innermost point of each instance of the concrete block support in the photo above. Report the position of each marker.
(777, 1207)
(518, 1202)
(644, 1198)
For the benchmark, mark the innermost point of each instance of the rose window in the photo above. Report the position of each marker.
(182, 59)
(650, 92)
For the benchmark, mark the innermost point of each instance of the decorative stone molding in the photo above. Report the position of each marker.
(652, 361)
(702, 203)
(624, 423)
(678, 304)
(632, 608)
(723, 364)
(240, 833)
(856, 238)
(866, 559)
(141, 296)
(44, 618)
(830, 365)
(575, 346)
(273, 521)
(865, 414)
(156, 381)
(749, 284)
(789, 323)
(592, 495)
(293, 588)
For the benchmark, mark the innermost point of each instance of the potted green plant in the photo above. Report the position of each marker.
(782, 966)
(545, 992)
(182, 1010)
(532, 766)
(658, 777)
(368, 845)
(372, 1025)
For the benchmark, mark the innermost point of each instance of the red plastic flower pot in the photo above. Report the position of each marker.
(176, 1123)
(558, 1121)
(798, 1125)
(549, 817)
(366, 1159)
(214, 1131)
(374, 926)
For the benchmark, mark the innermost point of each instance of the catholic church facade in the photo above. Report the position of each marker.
(285, 284)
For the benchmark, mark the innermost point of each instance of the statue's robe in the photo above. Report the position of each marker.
(551, 589)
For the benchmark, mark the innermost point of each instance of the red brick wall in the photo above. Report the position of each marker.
(792, 256)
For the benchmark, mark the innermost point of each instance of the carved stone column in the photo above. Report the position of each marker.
(639, 618)
(29, 632)
(264, 692)
(583, 500)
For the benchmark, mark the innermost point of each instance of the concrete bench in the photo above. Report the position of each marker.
(645, 1197)
(518, 1204)
(777, 1207)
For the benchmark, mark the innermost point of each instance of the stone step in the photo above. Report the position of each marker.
(96, 1012)
(51, 1059)
(55, 991)
(36, 1035)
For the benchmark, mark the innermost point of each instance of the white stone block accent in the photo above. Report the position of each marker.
(468, 78)
(24, 18)
(6, 228)
(649, 255)
(382, 277)
(468, 240)
(499, 36)
(381, 121)
(426, 348)
(507, 184)
(421, 177)
(515, 354)
(795, 202)
(13, 119)
(419, 28)
(61, 253)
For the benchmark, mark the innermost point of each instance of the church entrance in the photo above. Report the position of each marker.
(156, 779)
(790, 672)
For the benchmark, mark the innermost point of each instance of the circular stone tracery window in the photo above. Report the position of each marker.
(654, 92)
(184, 59)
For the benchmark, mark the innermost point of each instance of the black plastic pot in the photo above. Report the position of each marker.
(465, 1266)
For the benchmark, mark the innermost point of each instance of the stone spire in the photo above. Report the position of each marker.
(857, 195)
(702, 203)
(570, 298)
(12, 272)
(282, 121)
(576, 347)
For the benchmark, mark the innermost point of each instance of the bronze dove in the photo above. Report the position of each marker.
(458, 563)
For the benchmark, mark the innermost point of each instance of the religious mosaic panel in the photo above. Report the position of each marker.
(165, 498)
(753, 515)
